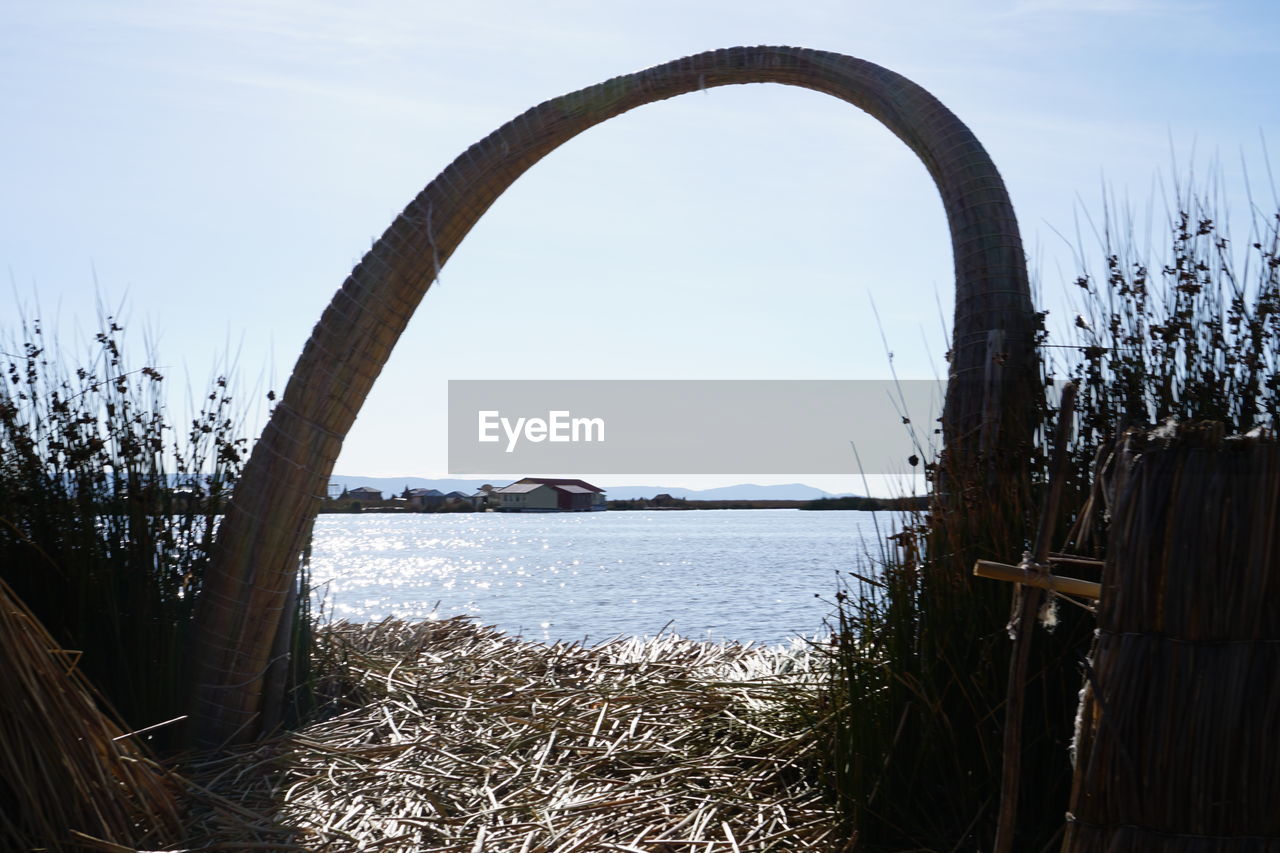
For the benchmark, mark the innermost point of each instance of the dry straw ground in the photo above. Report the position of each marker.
(456, 737)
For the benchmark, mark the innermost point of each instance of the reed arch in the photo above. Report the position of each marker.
(269, 517)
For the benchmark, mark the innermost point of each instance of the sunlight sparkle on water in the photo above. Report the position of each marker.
(593, 575)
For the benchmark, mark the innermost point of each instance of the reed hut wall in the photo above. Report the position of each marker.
(1178, 736)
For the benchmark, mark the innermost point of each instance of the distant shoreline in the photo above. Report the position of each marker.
(668, 503)
(739, 492)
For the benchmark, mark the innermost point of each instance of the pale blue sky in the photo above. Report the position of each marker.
(222, 165)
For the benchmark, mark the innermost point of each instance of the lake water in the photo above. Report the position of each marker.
(748, 575)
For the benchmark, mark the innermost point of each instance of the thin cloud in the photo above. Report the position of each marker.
(1107, 7)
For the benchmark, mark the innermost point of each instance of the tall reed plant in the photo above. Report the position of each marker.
(1192, 336)
(914, 710)
(108, 510)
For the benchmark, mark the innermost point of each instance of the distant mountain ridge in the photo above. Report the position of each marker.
(742, 492)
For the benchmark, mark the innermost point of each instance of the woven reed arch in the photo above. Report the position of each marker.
(270, 514)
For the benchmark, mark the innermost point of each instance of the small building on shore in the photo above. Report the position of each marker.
(423, 499)
(363, 494)
(545, 494)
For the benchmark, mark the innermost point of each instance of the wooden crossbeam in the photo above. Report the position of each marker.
(1057, 583)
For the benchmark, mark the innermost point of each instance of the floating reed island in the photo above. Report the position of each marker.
(451, 736)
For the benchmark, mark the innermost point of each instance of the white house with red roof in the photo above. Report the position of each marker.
(547, 494)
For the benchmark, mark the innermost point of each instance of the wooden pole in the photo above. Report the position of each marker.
(1026, 603)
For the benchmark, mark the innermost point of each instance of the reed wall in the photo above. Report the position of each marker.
(1178, 738)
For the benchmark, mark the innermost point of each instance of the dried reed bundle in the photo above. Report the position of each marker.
(1178, 742)
(466, 740)
(70, 777)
